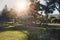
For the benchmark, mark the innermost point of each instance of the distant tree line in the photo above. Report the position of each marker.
(7, 15)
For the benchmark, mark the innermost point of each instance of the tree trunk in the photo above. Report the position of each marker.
(46, 20)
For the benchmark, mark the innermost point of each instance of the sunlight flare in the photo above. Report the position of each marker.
(22, 5)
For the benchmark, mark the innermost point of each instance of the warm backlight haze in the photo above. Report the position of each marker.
(22, 7)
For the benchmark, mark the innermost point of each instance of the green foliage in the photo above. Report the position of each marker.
(50, 7)
(37, 6)
(7, 15)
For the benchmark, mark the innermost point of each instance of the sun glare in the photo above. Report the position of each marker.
(22, 5)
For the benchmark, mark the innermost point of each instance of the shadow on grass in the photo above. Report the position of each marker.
(12, 29)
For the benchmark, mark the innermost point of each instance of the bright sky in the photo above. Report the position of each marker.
(10, 4)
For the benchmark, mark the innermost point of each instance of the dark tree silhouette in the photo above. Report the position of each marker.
(49, 8)
(7, 15)
(4, 15)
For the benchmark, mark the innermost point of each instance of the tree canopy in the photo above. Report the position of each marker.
(50, 7)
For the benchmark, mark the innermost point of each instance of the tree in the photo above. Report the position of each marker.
(34, 11)
(4, 15)
(49, 8)
(7, 15)
(12, 15)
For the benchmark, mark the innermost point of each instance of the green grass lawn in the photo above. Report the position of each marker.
(18, 35)
(7, 25)
(13, 35)
(54, 24)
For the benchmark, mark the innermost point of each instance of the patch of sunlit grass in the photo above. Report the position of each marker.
(56, 25)
(13, 35)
